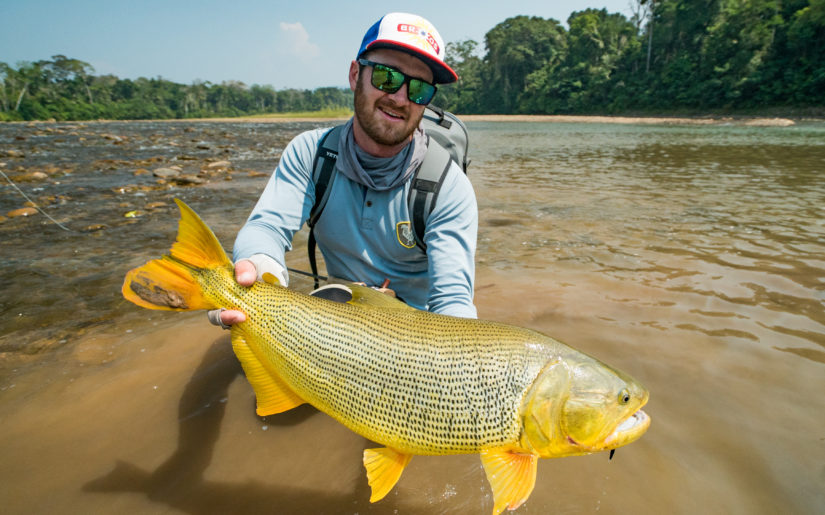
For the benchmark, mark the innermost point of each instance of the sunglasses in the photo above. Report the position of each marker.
(388, 79)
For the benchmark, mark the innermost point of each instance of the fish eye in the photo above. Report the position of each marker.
(624, 396)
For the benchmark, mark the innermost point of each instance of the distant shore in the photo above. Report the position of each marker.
(644, 120)
(754, 121)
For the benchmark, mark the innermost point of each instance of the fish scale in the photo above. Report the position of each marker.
(421, 384)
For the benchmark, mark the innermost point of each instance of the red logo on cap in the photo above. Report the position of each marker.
(412, 29)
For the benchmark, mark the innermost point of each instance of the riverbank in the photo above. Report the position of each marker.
(743, 120)
(753, 121)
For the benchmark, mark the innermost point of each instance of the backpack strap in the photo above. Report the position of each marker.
(426, 184)
(323, 173)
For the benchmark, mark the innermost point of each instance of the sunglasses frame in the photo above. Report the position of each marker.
(407, 80)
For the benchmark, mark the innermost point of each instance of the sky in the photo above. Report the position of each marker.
(302, 44)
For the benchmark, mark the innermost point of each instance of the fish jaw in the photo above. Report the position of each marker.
(630, 430)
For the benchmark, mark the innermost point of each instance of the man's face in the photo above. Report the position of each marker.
(386, 120)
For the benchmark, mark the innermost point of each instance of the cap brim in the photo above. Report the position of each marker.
(442, 74)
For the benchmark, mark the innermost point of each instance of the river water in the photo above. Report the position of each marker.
(691, 257)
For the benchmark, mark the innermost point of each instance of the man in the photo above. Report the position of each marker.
(379, 150)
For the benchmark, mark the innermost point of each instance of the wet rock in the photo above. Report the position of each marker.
(14, 153)
(114, 137)
(219, 164)
(166, 173)
(32, 177)
(141, 171)
(95, 227)
(188, 180)
(23, 211)
(202, 146)
(156, 205)
(254, 173)
(2, 219)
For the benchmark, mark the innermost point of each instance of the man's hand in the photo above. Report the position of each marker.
(245, 274)
(259, 267)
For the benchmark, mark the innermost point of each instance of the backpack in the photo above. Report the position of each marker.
(449, 141)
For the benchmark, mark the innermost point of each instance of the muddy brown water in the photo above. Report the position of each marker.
(692, 258)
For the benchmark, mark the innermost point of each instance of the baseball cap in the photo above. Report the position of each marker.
(414, 35)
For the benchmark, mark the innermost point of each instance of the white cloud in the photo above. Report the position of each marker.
(295, 41)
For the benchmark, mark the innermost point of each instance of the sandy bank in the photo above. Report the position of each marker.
(642, 120)
(754, 121)
(760, 122)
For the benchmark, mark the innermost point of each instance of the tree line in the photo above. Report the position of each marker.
(668, 56)
(62, 88)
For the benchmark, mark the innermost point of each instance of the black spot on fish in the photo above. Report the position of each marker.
(158, 296)
(612, 452)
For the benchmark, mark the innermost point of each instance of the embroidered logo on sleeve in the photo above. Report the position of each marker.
(403, 230)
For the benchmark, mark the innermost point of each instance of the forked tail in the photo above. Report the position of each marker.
(167, 283)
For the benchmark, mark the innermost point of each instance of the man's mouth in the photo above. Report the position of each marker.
(391, 113)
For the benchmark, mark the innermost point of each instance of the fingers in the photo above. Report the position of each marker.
(231, 316)
(225, 317)
(245, 272)
(387, 291)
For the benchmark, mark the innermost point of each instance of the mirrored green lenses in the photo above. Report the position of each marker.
(420, 92)
(390, 80)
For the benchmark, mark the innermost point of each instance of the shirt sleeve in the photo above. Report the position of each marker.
(451, 234)
(284, 205)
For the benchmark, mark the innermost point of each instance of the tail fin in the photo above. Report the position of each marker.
(167, 283)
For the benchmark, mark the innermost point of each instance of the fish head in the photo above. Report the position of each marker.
(580, 406)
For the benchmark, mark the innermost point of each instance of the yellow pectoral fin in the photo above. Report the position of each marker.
(512, 477)
(384, 467)
(271, 392)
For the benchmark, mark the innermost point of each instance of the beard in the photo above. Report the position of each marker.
(377, 129)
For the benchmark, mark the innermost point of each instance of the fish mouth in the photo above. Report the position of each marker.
(629, 430)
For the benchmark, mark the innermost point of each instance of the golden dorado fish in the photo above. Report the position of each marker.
(412, 381)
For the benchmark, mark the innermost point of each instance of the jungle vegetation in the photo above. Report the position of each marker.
(669, 56)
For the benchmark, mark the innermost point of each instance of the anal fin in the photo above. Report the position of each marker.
(512, 477)
(273, 395)
(384, 467)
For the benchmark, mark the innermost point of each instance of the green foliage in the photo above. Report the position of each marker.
(516, 48)
(66, 89)
(670, 56)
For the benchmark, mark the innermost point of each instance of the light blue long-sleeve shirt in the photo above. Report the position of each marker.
(357, 231)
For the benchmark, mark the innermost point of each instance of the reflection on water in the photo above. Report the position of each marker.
(691, 257)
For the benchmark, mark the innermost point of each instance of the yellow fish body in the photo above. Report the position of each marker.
(413, 381)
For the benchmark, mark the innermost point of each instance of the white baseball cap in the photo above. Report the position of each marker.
(414, 35)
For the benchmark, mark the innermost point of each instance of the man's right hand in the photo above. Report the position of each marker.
(247, 271)
(245, 274)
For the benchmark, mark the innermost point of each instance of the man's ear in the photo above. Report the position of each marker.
(354, 69)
